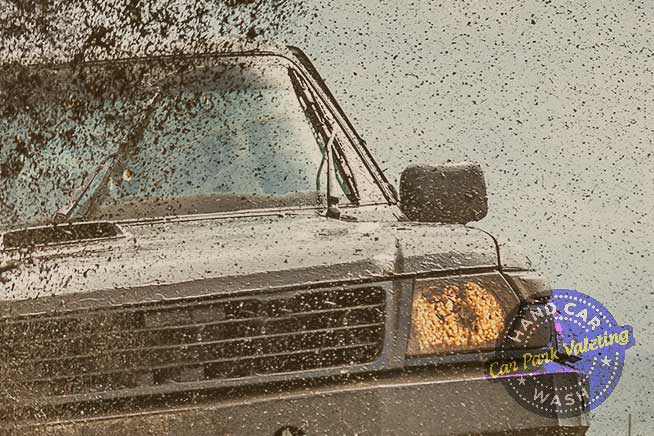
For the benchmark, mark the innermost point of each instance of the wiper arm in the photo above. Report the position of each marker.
(332, 199)
(65, 213)
(333, 150)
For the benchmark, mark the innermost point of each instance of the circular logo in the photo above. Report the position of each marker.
(563, 357)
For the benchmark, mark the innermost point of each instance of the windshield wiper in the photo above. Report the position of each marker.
(105, 168)
(333, 150)
(332, 199)
(64, 213)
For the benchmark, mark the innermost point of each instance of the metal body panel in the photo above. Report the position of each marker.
(231, 254)
(445, 402)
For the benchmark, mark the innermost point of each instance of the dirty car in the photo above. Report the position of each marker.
(202, 244)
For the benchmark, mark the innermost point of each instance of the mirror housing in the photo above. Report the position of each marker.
(449, 193)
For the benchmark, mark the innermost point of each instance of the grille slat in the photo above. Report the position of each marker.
(214, 338)
(130, 359)
(216, 369)
(186, 333)
(304, 302)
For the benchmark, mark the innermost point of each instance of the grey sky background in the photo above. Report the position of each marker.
(555, 100)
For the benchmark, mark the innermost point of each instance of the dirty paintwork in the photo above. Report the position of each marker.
(185, 251)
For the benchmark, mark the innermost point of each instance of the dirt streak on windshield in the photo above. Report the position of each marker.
(222, 127)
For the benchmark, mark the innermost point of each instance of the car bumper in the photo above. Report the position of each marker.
(450, 402)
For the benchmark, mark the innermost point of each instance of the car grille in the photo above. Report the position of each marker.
(167, 344)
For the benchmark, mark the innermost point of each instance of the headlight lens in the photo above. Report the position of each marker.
(459, 315)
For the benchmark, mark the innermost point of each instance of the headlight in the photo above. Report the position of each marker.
(464, 314)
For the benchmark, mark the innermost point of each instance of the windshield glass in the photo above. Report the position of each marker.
(233, 136)
(205, 135)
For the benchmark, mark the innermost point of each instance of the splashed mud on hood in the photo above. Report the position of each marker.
(289, 250)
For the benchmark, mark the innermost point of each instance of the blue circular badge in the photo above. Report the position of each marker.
(579, 367)
(591, 340)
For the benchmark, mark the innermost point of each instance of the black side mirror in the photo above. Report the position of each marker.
(451, 193)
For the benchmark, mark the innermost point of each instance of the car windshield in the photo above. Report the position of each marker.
(203, 135)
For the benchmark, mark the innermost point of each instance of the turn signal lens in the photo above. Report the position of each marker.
(458, 316)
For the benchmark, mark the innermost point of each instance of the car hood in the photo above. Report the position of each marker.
(150, 261)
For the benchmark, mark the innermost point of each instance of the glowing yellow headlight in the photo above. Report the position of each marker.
(455, 316)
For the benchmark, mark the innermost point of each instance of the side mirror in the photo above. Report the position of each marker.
(451, 193)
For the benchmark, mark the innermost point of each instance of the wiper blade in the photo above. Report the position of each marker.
(105, 168)
(64, 213)
(328, 132)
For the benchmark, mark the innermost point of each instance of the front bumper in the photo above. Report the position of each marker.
(440, 402)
